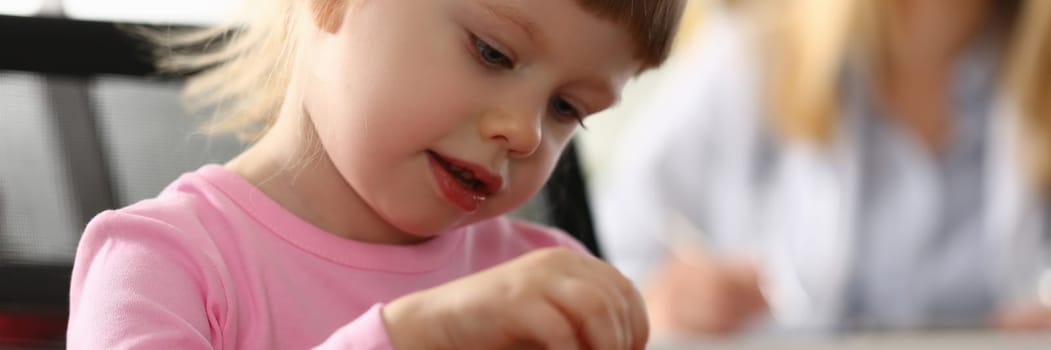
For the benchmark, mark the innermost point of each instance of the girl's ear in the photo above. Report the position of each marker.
(328, 14)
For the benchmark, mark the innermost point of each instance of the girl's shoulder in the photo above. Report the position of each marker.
(174, 221)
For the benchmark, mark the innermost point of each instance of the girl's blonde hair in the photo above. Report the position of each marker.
(246, 64)
(242, 67)
(815, 37)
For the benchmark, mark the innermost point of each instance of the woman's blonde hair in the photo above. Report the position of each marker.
(815, 37)
(246, 64)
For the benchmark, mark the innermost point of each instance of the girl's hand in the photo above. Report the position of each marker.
(552, 298)
(704, 297)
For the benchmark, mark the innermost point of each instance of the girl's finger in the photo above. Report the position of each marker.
(543, 324)
(627, 300)
(591, 311)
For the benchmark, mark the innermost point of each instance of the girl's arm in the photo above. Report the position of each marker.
(134, 287)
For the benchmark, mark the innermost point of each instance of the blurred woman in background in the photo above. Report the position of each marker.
(845, 165)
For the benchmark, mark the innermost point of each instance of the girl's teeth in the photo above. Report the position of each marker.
(463, 173)
(466, 176)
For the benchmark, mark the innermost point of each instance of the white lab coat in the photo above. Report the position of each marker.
(704, 152)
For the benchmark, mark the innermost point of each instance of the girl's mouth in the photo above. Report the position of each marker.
(466, 185)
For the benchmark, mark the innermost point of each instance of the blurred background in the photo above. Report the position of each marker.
(901, 220)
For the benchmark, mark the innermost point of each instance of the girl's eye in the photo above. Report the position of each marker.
(564, 110)
(490, 56)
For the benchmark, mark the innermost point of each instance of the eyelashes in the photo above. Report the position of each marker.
(564, 110)
(491, 56)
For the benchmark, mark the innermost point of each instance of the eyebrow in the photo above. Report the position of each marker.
(514, 16)
(605, 91)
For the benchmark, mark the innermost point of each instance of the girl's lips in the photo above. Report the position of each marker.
(455, 191)
(491, 183)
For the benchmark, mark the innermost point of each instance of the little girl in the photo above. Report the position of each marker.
(391, 137)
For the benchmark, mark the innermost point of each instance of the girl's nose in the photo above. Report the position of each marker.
(519, 132)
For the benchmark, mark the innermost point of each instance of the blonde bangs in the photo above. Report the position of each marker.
(652, 24)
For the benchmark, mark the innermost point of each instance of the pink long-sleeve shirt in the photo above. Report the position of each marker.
(213, 263)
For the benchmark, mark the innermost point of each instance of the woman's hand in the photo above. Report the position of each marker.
(1024, 319)
(697, 295)
(553, 299)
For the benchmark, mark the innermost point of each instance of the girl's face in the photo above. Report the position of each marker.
(441, 113)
